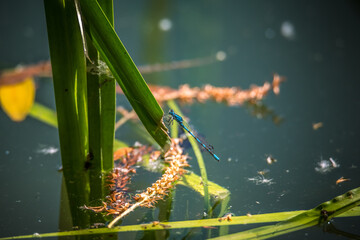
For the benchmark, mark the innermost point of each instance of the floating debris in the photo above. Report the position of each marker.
(317, 125)
(48, 150)
(97, 225)
(270, 160)
(154, 223)
(333, 163)
(36, 235)
(325, 166)
(342, 179)
(263, 172)
(226, 217)
(277, 80)
(260, 179)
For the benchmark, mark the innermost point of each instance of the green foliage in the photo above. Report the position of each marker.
(69, 76)
(44, 114)
(341, 206)
(86, 101)
(101, 115)
(200, 160)
(320, 214)
(124, 71)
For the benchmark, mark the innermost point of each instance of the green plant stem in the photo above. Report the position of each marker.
(240, 220)
(44, 114)
(124, 71)
(312, 217)
(95, 160)
(200, 160)
(108, 103)
(69, 76)
(101, 102)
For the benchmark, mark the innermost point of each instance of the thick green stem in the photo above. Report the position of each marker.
(69, 75)
(101, 101)
(108, 103)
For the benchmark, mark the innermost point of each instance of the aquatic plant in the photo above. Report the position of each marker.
(86, 108)
(345, 205)
(119, 204)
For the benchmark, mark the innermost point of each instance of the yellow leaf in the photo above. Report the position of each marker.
(17, 99)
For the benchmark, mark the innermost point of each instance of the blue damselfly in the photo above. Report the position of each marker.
(181, 122)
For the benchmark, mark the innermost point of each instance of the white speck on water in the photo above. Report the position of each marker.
(260, 180)
(288, 30)
(333, 163)
(48, 150)
(326, 166)
(165, 24)
(220, 56)
(7, 152)
(36, 235)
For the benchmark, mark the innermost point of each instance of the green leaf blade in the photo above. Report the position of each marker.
(125, 72)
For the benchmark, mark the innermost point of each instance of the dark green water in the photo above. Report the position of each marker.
(314, 44)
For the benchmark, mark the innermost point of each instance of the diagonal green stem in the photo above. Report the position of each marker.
(113, 52)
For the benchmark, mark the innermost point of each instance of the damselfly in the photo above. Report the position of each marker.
(181, 122)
